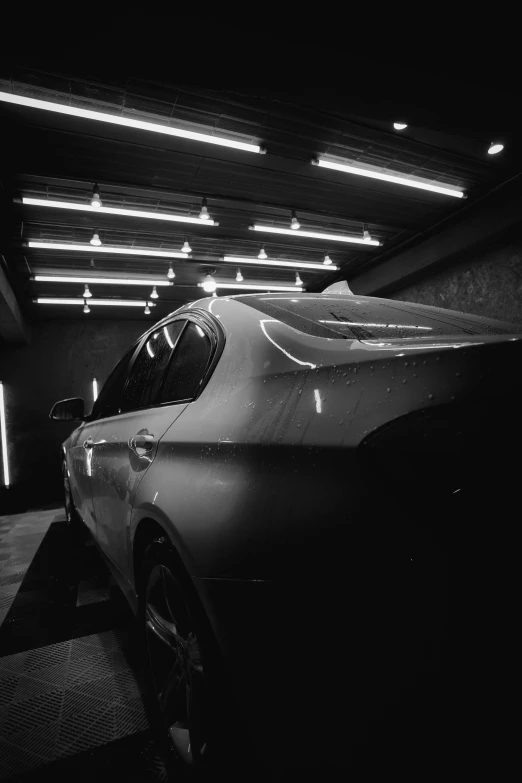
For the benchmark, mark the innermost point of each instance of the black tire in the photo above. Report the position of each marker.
(190, 706)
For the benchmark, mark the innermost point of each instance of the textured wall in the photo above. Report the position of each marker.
(60, 362)
(490, 284)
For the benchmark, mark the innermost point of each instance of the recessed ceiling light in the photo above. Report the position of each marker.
(262, 253)
(137, 213)
(495, 147)
(96, 240)
(171, 273)
(274, 262)
(154, 294)
(412, 183)
(124, 251)
(294, 223)
(399, 125)
(87, 294)
(115, 119)
(313, 235)
(186, 247)
(328, 260)
(239, 276)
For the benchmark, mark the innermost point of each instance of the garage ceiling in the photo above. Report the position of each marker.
(59, 158)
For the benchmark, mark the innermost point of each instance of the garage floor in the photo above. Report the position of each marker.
(70, 696)
(71, 693)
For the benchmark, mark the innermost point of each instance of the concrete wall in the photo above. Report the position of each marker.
(60, 362)
(489, 284)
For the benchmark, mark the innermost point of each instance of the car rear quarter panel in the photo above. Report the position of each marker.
(261, 470)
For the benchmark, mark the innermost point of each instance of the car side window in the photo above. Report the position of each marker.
(147, 371)
(187, 366)
(108, 401)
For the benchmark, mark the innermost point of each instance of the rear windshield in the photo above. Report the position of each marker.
(367, 318)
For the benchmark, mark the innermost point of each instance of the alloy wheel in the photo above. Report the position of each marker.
(176, 666)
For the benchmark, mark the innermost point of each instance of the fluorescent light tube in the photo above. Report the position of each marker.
(94, 389)
(100, 280)
(110, 302)
(115, 119)
(261, 287)
(138, 213)
(298, 264)
(3, 435)
(313, 235)
(412, 183)
(130, 251)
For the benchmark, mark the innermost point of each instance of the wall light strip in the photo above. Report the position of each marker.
(314, 235)
(252, 287)
(412, 183)
(109, 302)
(115, 119)
(3, 435)
(42, 202)
(130, 251)
(267, 262)
(100, 280)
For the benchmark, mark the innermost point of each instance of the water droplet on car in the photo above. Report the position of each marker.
(406, 364)
(300, 391)
(342, 421)
(388, 390)
(404, 380)
(430, 396)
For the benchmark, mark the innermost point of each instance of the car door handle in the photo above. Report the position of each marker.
(88, 444)
(140, 441)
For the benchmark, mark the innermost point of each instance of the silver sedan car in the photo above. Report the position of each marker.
(274, 481)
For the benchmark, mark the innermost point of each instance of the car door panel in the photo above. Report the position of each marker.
(121, 458)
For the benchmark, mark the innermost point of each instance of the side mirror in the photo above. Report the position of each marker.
(68, 410)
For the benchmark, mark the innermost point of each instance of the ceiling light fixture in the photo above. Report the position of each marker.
(203, 215)
(366, 234)
(399, 125)
(87, 294)
(147, 310)
(101, 280)
(208, 284)
(412, 183)
(239, 276)
(124, 251)
(298, 280)
(96, 241)
(495, 147)
(171, 273)
(294, 223)
(95, 200)
(262, 253)
(137, 213)
(86, 308)
(186, 247)
(328, 260)
(214, 295)
(273, 262)
(97, 302)
(312, 234)
(115, 119)
(255, 286)
(154, 294)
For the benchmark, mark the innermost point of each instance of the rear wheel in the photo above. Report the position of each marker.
(190, 707)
